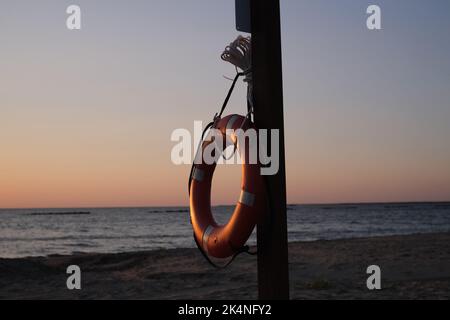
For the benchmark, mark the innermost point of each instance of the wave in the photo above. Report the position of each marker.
(169, 211)
(59, 213)
(95, 237)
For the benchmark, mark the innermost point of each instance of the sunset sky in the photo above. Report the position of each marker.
(86, 116)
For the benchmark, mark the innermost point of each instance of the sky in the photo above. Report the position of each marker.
(86, 116)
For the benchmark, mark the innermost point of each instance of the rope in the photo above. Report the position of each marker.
(212, 124)
(227, 98)
(244, 249)
(238, 53)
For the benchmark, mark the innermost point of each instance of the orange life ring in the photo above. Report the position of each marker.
(222, 241)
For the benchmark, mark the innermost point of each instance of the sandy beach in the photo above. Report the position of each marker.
(413, 267)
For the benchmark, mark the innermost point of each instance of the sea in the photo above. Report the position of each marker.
(44, 232)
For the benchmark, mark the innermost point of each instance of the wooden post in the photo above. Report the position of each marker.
(273, 267)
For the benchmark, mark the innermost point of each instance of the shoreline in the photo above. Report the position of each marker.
(253, 248)
(412, 267)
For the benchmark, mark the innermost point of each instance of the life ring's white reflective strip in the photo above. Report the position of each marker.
(205, 237)
(247, 198)
(198, 174)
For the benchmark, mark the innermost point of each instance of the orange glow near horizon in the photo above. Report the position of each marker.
(86, 117)
(73, 182)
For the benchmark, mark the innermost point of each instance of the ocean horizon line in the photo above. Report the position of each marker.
(443, 202)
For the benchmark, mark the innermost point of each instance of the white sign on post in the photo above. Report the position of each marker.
(243, 16)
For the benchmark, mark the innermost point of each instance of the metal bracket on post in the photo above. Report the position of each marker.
(243, 16)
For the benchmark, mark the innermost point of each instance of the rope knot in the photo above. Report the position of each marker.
(239, 54)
